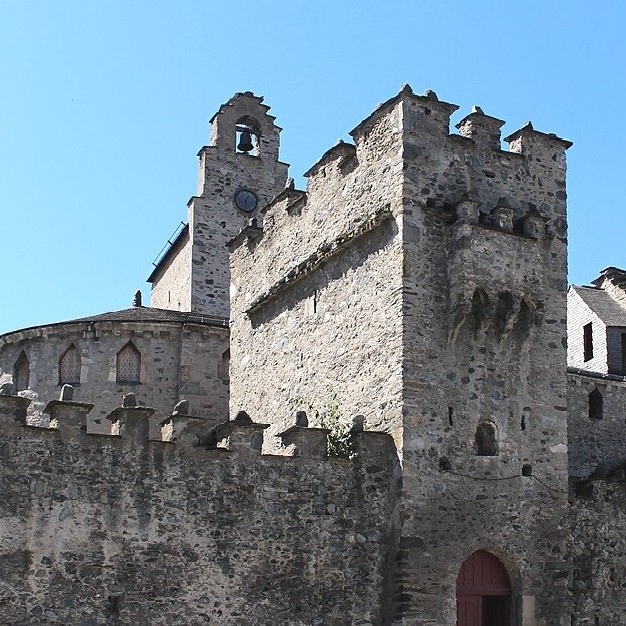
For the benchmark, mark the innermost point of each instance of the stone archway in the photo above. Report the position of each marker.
(483, 592)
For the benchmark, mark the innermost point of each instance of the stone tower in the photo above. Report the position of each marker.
(420, 281)
(239, 172)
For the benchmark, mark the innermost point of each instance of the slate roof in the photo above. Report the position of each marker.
(151, 314)
(138, 314)
(599, 301)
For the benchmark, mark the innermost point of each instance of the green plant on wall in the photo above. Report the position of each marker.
(340, 440)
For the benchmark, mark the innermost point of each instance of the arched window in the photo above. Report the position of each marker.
(69, 367)
(486, 439)
(128, 365)
(596, 405)
(21, 373)
(248, 136)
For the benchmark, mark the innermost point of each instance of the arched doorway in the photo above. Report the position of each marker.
(483, 592)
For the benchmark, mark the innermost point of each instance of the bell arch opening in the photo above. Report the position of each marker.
(484, 592)
(248, 136)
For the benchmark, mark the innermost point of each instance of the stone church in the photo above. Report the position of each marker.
(370, 402)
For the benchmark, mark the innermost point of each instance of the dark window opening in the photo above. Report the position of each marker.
(248, 136)
(588, 341)
(596, 403)
(114, 605)
(527, 470)
(22, 373)
(223, 367)
(523, 423)
(623, 354)
(450, 416)
(486, 439)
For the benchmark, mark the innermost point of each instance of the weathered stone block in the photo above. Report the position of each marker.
(69, 418)
(307, 442)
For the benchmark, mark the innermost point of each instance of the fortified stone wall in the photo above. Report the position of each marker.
(178, 361)
(598, 545)
(477, 248)
(596, 445)
(115, 529)
(479, 245)
(485, 437)
(315, 303)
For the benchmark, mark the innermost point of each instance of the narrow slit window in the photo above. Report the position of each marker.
(128, 368)
(223, 367)
(22, 372)
(588, 341)
(596, 405)
(69, 367)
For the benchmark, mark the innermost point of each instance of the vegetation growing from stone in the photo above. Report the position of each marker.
(340, 441)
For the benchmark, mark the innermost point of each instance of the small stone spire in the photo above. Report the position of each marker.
(137, 298)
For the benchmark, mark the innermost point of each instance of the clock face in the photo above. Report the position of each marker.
(245, 200)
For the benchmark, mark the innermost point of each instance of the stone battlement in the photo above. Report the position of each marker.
(130, 427)
(404, 160)
(98, 523)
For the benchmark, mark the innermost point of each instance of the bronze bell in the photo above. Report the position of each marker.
(245, 141)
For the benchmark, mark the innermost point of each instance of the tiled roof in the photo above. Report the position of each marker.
(599, 301)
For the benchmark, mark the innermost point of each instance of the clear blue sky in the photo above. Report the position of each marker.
(104, 105)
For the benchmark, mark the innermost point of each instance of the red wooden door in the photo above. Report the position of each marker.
(483, 590)
(469, 610)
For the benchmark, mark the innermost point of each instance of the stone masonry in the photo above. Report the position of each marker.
(411, 284)
(100, 529)
(193, 274)
(181, 358)
(390, 345)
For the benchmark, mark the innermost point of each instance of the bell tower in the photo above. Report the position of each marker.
(239, 173)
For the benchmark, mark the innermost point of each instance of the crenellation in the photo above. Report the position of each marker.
(333, 160)
(307, 442)
(131, 423)
(67, 417)
(13, 413)
(483, 129)
(241, 435)
(188, 430)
